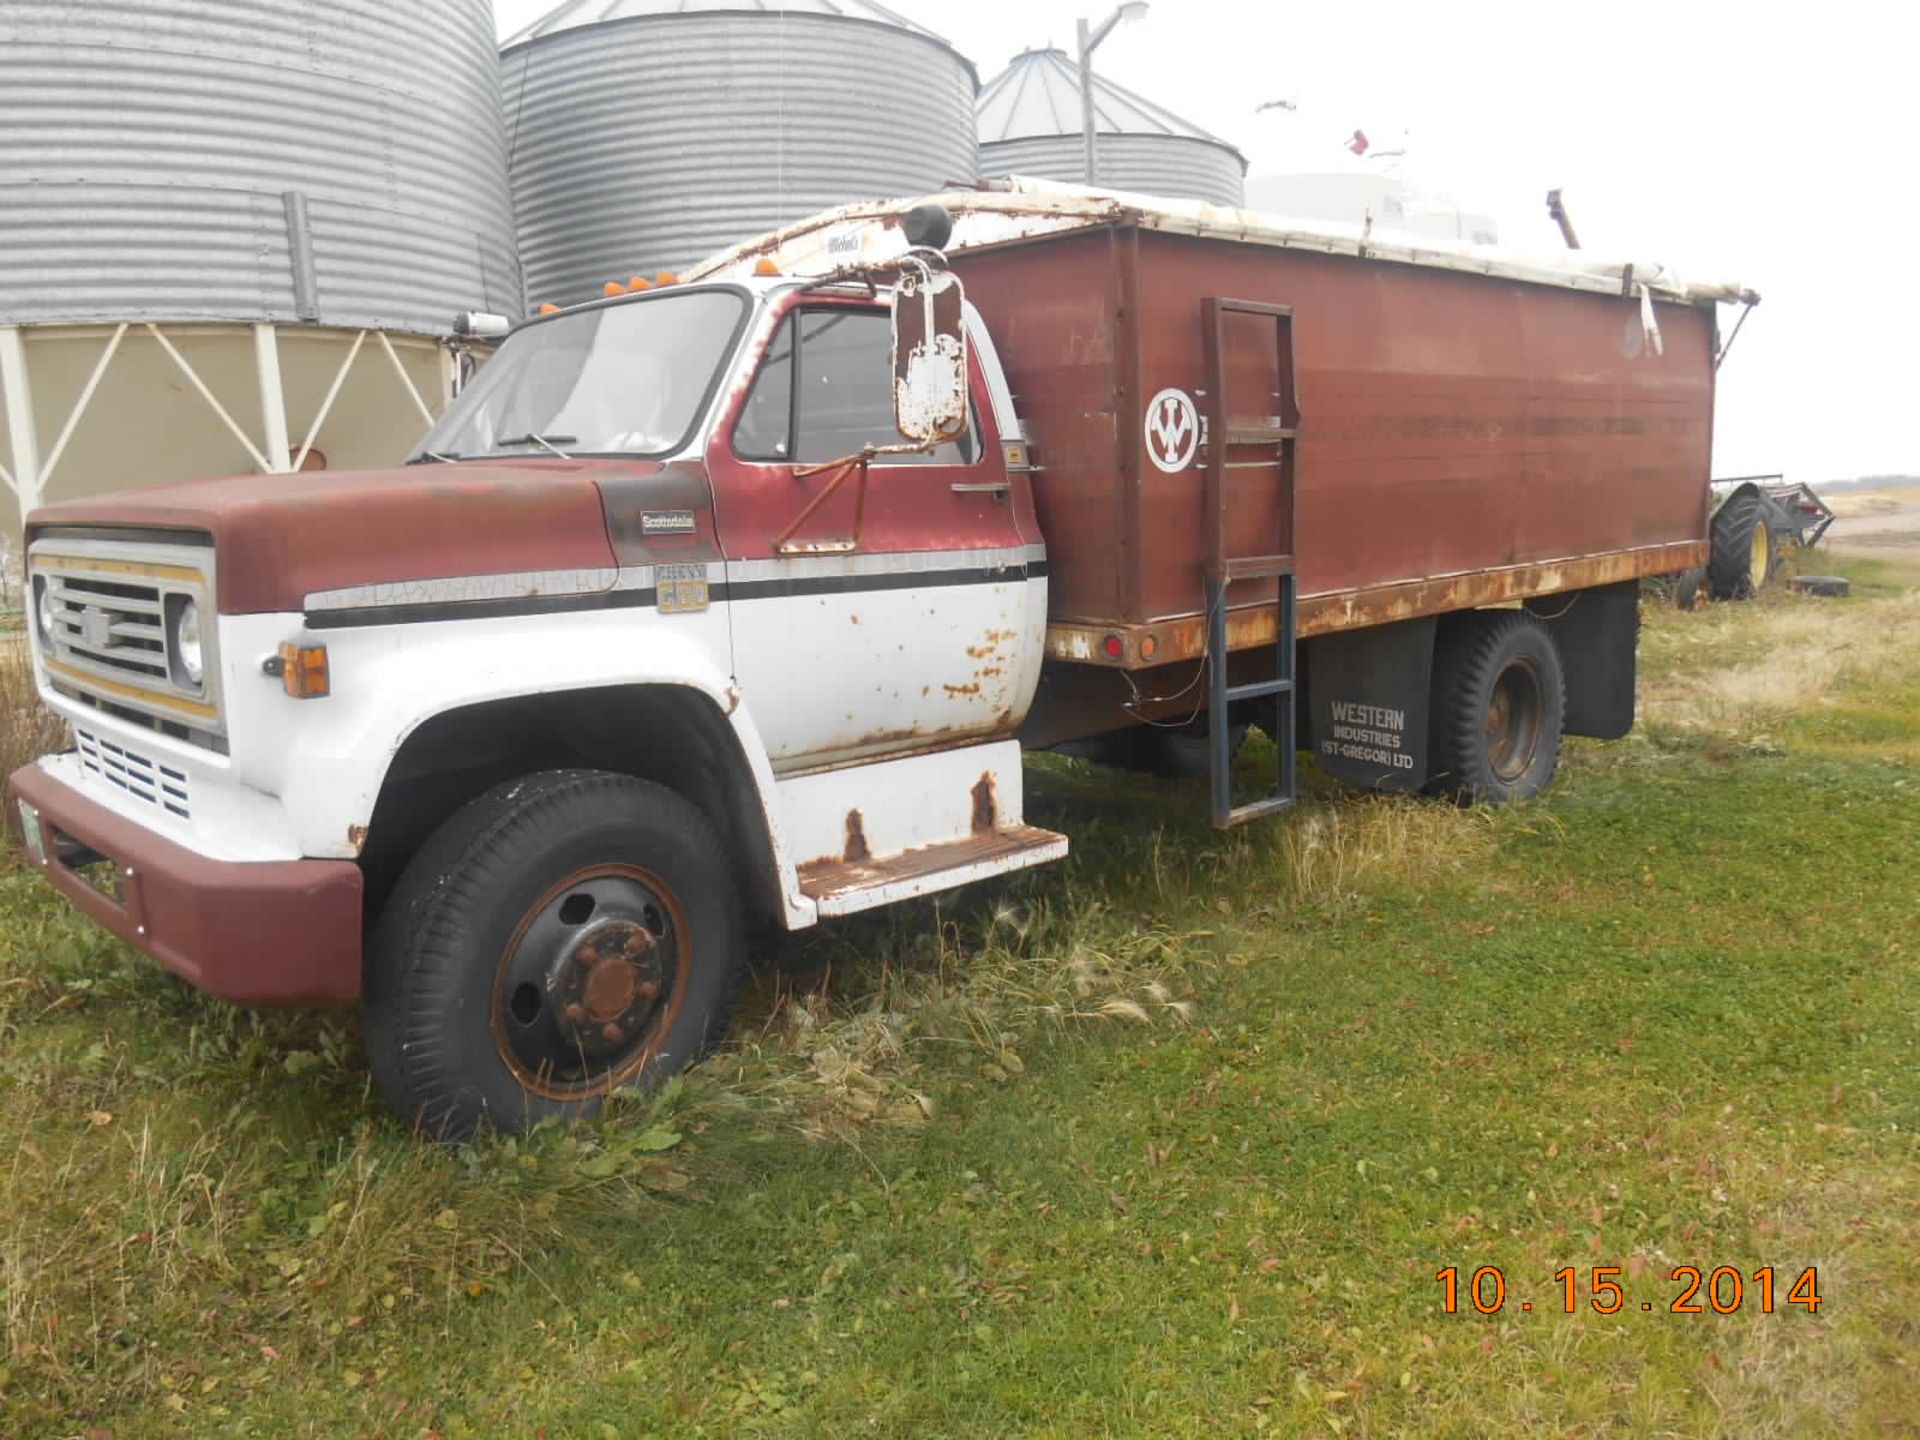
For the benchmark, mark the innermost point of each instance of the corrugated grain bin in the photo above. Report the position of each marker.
(147, 149)
(1030, 124)
(234, 234)
(647, 134)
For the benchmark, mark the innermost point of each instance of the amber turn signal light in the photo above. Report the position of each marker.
(303, 671)
(765, 266)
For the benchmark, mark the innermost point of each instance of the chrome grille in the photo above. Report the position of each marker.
(111, 623)
(141, 776)
(111, 604)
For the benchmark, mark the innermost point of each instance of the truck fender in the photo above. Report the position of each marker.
(339, 751)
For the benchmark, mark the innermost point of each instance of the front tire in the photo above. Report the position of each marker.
(1499, 702)
(561, 937)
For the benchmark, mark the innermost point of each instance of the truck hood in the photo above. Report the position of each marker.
(280, 538)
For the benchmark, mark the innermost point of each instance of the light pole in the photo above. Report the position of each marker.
(1089, 42)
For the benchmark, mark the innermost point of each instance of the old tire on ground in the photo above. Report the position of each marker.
(1744, 551)
(1827, 586)
(1499, 701)
(1688, 589)
(562, 936)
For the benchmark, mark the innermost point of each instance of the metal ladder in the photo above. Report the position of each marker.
(1273, 436)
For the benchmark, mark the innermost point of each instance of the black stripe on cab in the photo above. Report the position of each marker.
(783, 588)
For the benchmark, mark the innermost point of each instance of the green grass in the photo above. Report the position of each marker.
(1168, 1140)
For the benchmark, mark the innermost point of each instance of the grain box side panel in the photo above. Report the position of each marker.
(1450, 423)
(1054, 308)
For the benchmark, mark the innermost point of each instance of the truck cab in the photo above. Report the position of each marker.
(664, 633)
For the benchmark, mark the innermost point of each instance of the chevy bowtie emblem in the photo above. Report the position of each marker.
(96, 627)
(1173, 430)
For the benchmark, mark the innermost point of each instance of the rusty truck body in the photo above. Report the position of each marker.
(731, 602)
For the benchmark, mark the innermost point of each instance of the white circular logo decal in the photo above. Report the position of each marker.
(1173, 430)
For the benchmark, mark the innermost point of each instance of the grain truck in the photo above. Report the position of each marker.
(729, 602)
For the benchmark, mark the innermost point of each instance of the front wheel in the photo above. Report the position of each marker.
(562, 936)
(1499, 702)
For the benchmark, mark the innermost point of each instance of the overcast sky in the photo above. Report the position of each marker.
(1769, 144)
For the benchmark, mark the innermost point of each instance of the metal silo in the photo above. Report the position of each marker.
(235, 233)
(1029, 118)
(648, 134)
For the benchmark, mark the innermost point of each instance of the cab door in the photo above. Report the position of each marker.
(904, 612)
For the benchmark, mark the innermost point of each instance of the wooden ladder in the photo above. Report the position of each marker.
(1240, 444)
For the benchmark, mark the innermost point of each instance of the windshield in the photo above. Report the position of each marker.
(627, 379)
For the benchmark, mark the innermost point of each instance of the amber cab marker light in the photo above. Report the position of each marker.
(765, 266)
(639, 282)
(303, 670)
(613, 288)
(666, 277)
(549, 309)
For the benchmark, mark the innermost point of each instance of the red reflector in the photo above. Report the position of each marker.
(1115, 647)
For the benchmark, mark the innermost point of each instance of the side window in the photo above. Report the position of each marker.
(833, 397)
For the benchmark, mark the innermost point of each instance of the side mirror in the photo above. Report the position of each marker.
(929, 355)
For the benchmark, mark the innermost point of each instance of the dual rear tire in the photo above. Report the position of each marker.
(1499, 707)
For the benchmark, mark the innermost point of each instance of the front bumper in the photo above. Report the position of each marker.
(256, 933)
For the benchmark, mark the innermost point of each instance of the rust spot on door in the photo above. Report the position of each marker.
(856, 849)
(986, 805)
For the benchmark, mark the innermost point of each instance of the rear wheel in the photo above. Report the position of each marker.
(561, 937)
(1743, 552)
(1498, 705)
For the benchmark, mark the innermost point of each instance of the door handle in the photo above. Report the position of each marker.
(982, 487)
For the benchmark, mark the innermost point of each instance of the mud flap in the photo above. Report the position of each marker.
(1367, 699)
(1597, 632)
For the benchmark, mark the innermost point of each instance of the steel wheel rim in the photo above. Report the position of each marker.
(590, 982)
(1513, 720)
(1759, 557)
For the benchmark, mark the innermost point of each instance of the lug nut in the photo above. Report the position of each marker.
(613, 1034)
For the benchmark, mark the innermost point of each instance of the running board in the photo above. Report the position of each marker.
(840, 887)
(862, 836)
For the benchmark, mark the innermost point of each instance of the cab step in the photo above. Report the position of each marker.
(862, 836)
(841, 887)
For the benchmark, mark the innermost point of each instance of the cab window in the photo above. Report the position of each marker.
(825, 390)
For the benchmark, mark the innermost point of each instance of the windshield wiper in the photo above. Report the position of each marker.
(426, 455)
(549, 443)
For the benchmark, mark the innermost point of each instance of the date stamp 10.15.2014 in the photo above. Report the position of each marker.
(1690, 1290)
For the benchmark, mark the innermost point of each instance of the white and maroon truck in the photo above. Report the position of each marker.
(730, 603)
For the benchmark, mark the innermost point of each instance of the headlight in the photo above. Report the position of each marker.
(43, 612)
(185, 642)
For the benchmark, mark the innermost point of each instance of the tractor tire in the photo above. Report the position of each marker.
(1499, 702)
(1744, 548)
(563, 936)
